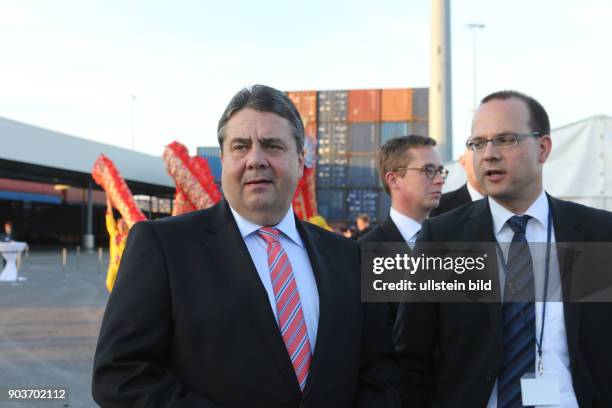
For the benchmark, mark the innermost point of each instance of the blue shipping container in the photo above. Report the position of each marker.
(332, 105)
(362, 171)
(212, 154)
(332, 204)
(384, 205)
(364, 137)
(421, 128)
(390, 130)
(420, 104)
(332, 175)
(332, 139)
(362, 201)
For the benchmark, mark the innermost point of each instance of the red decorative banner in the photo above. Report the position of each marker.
(107, 176)
(194, 182)
(181, 204)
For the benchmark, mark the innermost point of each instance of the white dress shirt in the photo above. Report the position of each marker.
(300, 263)
(555, 356)
(408, 227)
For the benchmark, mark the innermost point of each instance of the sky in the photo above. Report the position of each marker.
(142, 74)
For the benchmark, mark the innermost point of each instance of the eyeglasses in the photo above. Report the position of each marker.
(429, 170)
(502, 140)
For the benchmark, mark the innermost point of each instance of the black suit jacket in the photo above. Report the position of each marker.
(189, 324)
(386, 232)
(451, 200)
(450, 353)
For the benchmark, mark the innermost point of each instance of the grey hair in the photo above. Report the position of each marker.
(264, 99)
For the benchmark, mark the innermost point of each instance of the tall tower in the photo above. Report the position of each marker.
(440, 112)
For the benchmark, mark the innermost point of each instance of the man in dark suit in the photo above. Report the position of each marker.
(470, 191)
(242, 304)
(473, 354)
(363, 225)
(410, 171)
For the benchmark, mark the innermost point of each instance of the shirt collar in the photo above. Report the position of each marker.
(538, 211)
(474, 194)
(406, 225)
(286, 226)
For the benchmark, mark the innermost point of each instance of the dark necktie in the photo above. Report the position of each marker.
(518, 318)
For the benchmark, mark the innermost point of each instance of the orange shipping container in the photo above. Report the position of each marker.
(396, 105)
(364, 106)
(306, 104)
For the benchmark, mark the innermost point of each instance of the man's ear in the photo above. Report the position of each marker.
(391, 179)
(545, 147)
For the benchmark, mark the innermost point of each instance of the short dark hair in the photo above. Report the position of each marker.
(363, 217)
(538, 118)
(264, 99)
(396, 153)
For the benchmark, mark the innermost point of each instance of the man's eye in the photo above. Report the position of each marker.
(477, 142)
(505, 139)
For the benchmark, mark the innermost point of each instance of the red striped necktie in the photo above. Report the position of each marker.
(288, 306)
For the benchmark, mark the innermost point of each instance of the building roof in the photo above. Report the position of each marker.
(35, 146)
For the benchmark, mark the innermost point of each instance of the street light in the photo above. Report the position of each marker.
(474, 27)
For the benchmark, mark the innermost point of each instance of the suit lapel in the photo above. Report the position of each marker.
(480, 224)
(391, 232)
(567, 229)
(463, 195)
(231, 255)
(323, 276)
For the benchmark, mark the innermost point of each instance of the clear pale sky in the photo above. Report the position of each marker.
(72, 66)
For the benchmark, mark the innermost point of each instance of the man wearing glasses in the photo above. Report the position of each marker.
(410, 171)
(474, 354)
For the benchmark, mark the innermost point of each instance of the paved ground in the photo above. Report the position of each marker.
(49, 326)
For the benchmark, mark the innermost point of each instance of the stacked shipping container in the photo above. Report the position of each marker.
(350, 127)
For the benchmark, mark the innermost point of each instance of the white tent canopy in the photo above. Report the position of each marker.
(579, 168)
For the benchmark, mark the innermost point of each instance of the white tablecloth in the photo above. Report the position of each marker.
(10, 251)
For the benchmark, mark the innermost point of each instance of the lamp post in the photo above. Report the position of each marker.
(474, 27)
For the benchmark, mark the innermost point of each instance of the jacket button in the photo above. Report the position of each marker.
(489, 377)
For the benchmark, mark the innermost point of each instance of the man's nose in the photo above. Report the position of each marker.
(490, 152)
(256, 159)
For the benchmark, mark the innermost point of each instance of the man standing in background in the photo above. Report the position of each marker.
(470, 191)
(410, 171)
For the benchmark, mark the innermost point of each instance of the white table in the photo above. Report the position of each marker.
(10, 251)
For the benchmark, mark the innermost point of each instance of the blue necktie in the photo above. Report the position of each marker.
(518, 318)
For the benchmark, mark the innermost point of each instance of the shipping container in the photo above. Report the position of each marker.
(332, 106)
(364, 137)
(396, 105)
(331, 204)
(364, 106)
(306, 104)
(333, 139)
(390, 130)
(420, 128)
(420, 104)
(362, 201)
(384, 205)
(212, 154)
(362, 171)
(332, 175)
